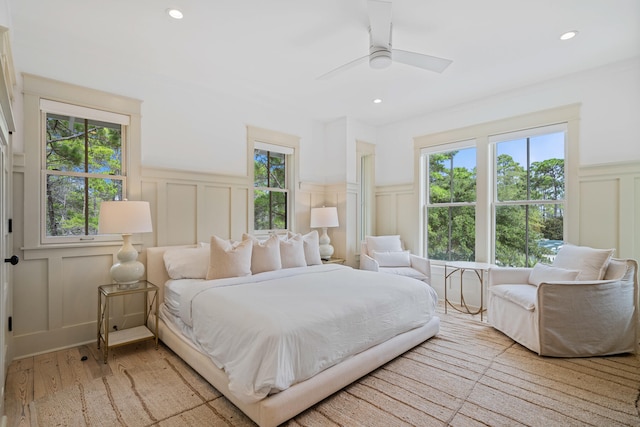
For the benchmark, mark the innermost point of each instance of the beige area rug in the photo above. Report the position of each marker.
(468, 375)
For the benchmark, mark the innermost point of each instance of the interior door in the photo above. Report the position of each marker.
(7, 126)
(4, 273)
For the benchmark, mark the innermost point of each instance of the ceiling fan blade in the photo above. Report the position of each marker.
(342, 68)
(426, 62)
(380, 22)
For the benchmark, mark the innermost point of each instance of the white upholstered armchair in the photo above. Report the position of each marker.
(386, 254)
(585, 304)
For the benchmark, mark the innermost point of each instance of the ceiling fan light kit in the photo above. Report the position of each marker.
(380, 59)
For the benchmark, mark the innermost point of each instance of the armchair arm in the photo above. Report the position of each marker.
(368, 263)
(587, 317)
(508, 275)
(423, 265)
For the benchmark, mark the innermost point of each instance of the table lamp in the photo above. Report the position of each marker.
(125, 217)
(323, 218)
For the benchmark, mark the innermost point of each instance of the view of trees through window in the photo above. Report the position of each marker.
(83, 161)
(270, 190)
(528, 202)
(451, 211)
(529, 205)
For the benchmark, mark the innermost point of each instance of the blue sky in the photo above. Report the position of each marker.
(543, 147)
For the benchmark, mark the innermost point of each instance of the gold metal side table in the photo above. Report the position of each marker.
(130, 335)
(479, 269)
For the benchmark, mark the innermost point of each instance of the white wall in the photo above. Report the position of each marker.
(180, 119)
(610, 98)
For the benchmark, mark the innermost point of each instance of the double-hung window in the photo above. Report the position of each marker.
(273, 172)
(500, 192)
(529, 180)
(270, 187)
(83, 164)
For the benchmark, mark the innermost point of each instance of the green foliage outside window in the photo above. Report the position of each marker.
(83, 168)
(526, 228)
(270, 191)
(451, 230)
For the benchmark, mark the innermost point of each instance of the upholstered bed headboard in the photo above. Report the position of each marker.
(156, 271)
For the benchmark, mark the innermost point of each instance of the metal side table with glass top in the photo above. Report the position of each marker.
(108, 338)
(453, 267)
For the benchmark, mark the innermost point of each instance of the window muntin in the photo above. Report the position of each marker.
(451, 200)
(83, 164)
(271, 190)
(529, 198)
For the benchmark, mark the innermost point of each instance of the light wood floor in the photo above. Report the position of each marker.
(35, 377)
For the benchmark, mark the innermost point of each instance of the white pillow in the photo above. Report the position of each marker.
(187, 263)
(292, 252)
(383, 244)
(229, 259)
(546, 273)
(592, 263)
(265, 255)
(392, 259)
(311, 247)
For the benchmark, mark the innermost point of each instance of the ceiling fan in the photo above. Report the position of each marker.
(380, 52)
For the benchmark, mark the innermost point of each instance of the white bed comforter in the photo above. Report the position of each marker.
(271, 330)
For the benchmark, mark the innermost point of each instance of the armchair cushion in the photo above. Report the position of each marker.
(592, 263)
(392, 259)
(522, 295)
(546, 273)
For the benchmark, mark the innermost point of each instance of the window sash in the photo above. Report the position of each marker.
(95, 117)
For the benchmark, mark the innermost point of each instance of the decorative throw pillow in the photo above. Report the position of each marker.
(229, 259)
(187, 263)
(392, 259)
(292, 252)
(311, 247)
(592, 263)
(546, 273)
(265, 255)
(383, 244)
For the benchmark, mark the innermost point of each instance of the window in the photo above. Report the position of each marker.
(451, 203)
(81, 146)
(529, 196)
(270, 192)
(493, 193)
(272, 170)
(83, 164)
(365, 172)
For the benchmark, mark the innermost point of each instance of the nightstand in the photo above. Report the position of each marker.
(130, 335)
(333, 261)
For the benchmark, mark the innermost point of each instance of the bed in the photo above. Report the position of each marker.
(271, 407)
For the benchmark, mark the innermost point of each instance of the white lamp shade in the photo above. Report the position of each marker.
(324, 217)
(124, 217)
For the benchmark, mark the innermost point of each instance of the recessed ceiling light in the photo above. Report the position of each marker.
(569, 35)
(377, 101)
(175, 13)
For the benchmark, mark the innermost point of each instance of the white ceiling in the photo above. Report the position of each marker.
(273, 50)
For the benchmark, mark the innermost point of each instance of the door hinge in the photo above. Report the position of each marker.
(10, 323)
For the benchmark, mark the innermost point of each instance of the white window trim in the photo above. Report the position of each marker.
(568, 115)
(265, 139)
(56, 95)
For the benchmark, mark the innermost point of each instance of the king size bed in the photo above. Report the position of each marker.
(277, 342)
